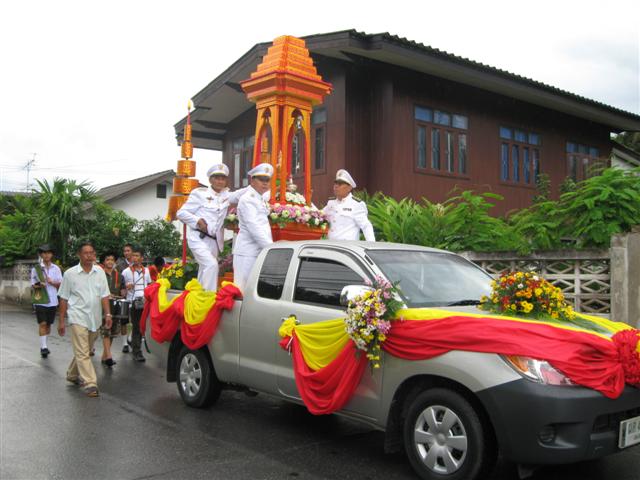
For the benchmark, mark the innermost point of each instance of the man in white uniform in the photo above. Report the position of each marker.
(253, 217)
(347, 216)
(204, 213)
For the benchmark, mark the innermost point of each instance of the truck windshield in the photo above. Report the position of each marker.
(432, 279)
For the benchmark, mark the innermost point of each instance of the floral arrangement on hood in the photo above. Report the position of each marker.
(527, 294)
(369, 316)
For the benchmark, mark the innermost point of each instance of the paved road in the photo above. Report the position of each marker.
(140, 429)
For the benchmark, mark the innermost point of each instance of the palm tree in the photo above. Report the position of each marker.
(62, 211)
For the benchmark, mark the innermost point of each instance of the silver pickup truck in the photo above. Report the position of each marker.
(451, 414)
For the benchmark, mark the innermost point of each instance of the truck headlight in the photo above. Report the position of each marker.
(539, 371)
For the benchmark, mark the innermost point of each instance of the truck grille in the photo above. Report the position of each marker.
(611, 421)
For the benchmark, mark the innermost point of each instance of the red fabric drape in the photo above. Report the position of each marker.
(198, 335)
(586, 359)
(330, 388)
(165, 325)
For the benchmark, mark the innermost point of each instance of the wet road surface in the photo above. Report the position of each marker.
(140, 429)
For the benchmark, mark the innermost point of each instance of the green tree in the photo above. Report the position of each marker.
(630, 140)
(158, 238)
(15, 223)
(110, 229)
(62, 211)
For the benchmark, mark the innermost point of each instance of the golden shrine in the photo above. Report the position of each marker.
(285, 87)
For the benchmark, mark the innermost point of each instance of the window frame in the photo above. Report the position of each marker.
(347, 259)
(320, 125)
(443, 130)
(581, 159)
(240, 178)
(159, 187)
(507, 135)
(286, 273)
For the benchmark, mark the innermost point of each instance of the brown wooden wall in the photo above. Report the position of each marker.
(370, 131)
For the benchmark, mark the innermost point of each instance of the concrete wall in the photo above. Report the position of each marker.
(15, 284)
(625, 277)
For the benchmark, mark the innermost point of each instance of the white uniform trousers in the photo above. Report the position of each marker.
(205, 252)
(242, 265)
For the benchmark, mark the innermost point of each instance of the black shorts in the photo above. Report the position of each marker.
(45, 314)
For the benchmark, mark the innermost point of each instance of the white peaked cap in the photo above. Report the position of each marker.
(343, 176)
(262, 170)
(218, 169)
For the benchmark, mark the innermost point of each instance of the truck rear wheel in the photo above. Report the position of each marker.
(445, 439)
(197, 382)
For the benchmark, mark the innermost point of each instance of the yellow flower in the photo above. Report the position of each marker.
(538, 292)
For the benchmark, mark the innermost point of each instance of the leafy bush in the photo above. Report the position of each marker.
(158, 238)
(586, 217)
(601, 206)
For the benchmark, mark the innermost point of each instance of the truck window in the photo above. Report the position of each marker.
(273, 273)
(321, 281)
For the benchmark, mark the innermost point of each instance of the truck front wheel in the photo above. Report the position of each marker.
(197, 382)
(445, 439)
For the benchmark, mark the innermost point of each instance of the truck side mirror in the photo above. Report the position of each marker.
(351, 292)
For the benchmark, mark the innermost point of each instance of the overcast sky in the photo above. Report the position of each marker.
(94, 88)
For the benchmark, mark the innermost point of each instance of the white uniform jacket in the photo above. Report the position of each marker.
(255, 230)
(347, 217)
(205, 203)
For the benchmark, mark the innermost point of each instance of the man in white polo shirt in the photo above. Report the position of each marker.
(84, 296)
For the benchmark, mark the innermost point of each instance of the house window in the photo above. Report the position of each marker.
(448, 153)
(583, 161)
(242, 155)
(161, 190)
(504, 162)
(515, 165)
(441, 142)
(435, 149)
(462, 153)
(318, 132)
(519, 156)
(422, 147)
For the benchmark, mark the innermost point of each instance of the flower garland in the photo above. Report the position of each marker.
(528, 294)
(369, 316)
(282, 213)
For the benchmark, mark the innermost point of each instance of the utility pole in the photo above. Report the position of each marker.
(28, 168)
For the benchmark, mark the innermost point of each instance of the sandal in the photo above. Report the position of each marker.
(109, 362)
(92, 392)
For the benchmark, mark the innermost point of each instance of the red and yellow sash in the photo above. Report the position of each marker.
(196, 312)
(327, 369)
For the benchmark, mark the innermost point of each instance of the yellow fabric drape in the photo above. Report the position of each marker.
(320, 342)
(198, 303)
(163, 301)
(437, 314)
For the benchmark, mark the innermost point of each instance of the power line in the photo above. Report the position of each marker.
(28, 168)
